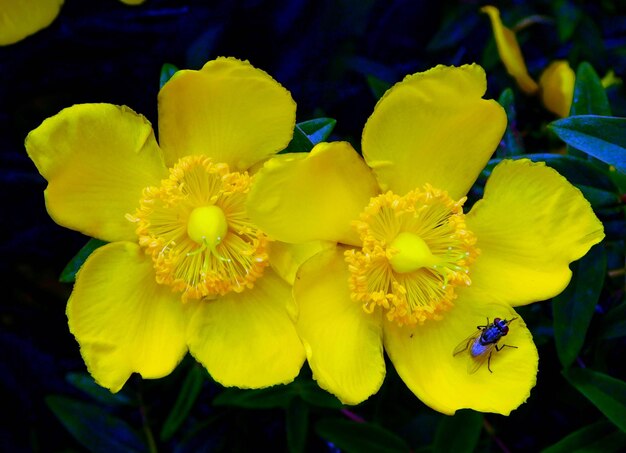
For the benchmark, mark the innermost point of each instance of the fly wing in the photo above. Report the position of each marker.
(467, 343)
(478, 360)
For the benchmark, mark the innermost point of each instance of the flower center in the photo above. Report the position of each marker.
(195, 228)
(416, 250)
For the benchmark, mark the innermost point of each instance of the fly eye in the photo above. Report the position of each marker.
(496, 320)
(505, 330)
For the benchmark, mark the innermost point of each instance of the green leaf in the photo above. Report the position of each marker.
(310, 392)
(459, 433)
(300, 143)
(600, 436)
(603, 137)
(351, 436)
(297, 425)
(589, 95)
(318, 129)
(511, 144)
(85, 382)
(93, 427)
(186, 398)
(271, 397)
(378, 86)
(167, 71)
(69, 273)
(600, 198)
(614, 323)
(605, 392)
(573, 308)
(567, 18)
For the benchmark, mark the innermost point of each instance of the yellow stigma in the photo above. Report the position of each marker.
(410, 253)
(416, 251)
(196, 229)
(207, 225)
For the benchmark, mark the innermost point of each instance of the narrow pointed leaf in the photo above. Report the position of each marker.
(93, 427)
(310, 392)
(167, 71)
(318, 130)
(458, 433)
(573, 308)
(614, 323)
(356, 437)
(607, 393)
(186, 398)
(69, 273)
(593, 437)
(377, 86)
(511, 144)
(589, 95)
(603, 137)
(300, 143)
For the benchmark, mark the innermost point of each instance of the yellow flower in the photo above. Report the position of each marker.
(411, 273)
(557, 87)
(21, 18)
(186, 269)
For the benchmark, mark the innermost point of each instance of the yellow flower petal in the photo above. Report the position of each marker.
(557, 87)
(510, 52)
(22, 18)
(286, 258)
(229, 111)
(530, 225)
(342, 342)
(312, 196)
(123, 321)
(97, 159)
(132, 2)
(247, 339)
(433, 127)
(423, 357)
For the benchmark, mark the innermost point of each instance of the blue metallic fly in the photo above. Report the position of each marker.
(482, 343)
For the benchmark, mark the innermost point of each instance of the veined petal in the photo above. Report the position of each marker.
(343, 343)
(433, 127)
(312, 196)
(530, 225)
(286, 258)
(557, 87)
(19, 19)
(510, 52)
(229, 111)
(123, 320)
(247, 339)
(97, 159)
(423, 357)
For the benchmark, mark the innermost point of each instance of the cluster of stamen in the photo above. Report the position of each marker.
(416, 250)
(195, 228)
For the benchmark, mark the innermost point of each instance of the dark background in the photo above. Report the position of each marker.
(323, 52)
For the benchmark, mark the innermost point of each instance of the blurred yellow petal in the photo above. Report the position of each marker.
(286, 258)
(433, 127)
(132, 2)
(229, 110)
(510, 52)
(304, 197)
(343, 343)
(123, 320)
(530, 225)
(557, 87)
(97, 159)
(423, 357)
(247, 339)
(610, 79)
(22, 18)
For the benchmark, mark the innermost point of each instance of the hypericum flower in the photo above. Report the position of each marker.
(186, 269)
(21, 18)
(411, 271)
